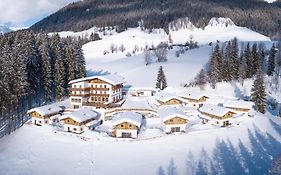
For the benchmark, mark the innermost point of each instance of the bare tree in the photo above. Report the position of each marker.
(161, 52)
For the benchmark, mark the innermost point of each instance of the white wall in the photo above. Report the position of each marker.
(133, 132)
(72, 128)
(39, 121)
(167, 128)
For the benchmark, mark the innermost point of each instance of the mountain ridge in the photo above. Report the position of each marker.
(85, 14)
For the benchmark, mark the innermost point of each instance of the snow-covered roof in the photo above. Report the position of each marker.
(136, 103)
(130, 117)
(169, 112)
(214, 110)
(81, 115)
(238, 104)
(113, 79)
(167, 96)
(134, 88)
(46, 110)
(192, 95)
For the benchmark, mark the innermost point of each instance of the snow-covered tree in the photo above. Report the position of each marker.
(271, 61)
(233, 61)
(201, 79)
(172, 168)
(161, 52)
(215, 66)
(147, 58)
(258, 93)
(249, 61)
(161, 79)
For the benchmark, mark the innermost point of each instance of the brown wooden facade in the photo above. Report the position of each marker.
(225, 116)
(200, 100)
(70, 121)
(239, 109)
(173, 101)
(125, 126)
(176, 121)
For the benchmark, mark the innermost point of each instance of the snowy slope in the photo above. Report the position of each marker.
(247, 148)
(178, 70)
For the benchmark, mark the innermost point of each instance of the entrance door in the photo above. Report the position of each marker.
(68, 129)
(175, 129)
(126, 135)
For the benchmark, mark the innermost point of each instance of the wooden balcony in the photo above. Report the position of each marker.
(79, 89)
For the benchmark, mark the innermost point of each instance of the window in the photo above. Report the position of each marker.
(92, 86)
(67, 120)
(122, 126)
(102, 98)
(74, 129)
(126, 135)
(175, 129)
(106, 99)
(74, 86)
(100, 86)
(130, 126)
(80, 86)
(104, 86)
(46, 121)
(40, 121)
(92, 98)
(171, 120)
(96, 86)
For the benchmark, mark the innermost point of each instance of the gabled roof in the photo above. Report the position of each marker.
(214, 110)
(130, 117)
(169, 112)
(238, 104)
(113, 79)
(192, 95)
(164, 97)
(46, 110)
(81, 115)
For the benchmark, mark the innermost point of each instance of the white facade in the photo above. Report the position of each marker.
(84, 92)
(40, 121)
(125, 133)
(174, 128)
(74, 129)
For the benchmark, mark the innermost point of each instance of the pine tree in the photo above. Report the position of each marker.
(201, 79)
(249, 61)
(254, 53)
(233, 62)
(215, 66)
(226, 67)
(271, 61)
(161, 79)
(80, 62)
(47, 80)
(258, 92)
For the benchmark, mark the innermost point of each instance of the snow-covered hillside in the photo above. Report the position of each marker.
(99, 58)
(248, 147)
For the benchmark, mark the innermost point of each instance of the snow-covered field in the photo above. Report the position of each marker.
(178, 70)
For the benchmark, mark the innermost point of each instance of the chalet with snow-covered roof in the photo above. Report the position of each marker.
(173, 119)
(169, 99)
(98, 91)
(218, 115)
(195, 99)
(239, 105)
(41, 115)
(79, 120)
(126, 125)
